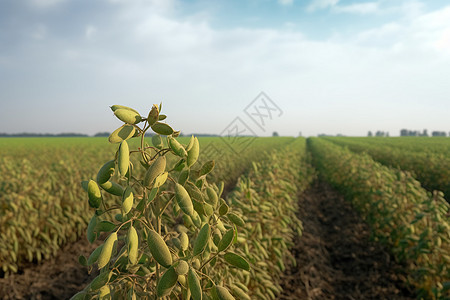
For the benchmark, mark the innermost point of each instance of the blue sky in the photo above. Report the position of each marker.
(330, 66)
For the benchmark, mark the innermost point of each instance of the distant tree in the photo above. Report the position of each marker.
(424, 133)
(370, 133)
(439, 133)
(275, 133)
(404, 132)
(100, 134)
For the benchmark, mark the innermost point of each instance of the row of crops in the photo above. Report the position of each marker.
(226, 246)
(42, 205)
(427, 158)
(231, 249)
(411, 221)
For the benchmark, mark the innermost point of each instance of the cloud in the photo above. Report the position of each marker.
(358, 8)
(321, 4)
(144, 53)
(46, 3)
(90, 32)
(286, 2)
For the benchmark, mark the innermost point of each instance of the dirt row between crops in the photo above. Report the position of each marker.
(335, 258)
(58, 278)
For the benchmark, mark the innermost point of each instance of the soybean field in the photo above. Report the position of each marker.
(180, 217)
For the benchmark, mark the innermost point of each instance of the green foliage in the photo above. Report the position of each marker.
(426, 158)
(42, 206)
(411, 221)
(164, 238)
(264, 204)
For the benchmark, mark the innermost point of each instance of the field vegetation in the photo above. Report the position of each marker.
(170, 219)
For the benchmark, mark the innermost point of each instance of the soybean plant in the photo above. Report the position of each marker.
(167, 233)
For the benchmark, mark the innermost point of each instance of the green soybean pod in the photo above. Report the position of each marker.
(236, 260)
(157, 141)
(176, 147)
(127, 200)
(153, 115)
(95, 196)
(181, 267)
(122, 133)
(183, 199)
(226, 240)
(155, 169)
(106, 172)
(162, 128)
(239, 293)
(159, 249)
(192, 154)
(116, 107)
(160, 179)
(133, 244)
(212, 196)
(105, 254)
(235, 219)
(167, 282)
(112, 188)
(190, 144)
(104, 293)
(222, 293)
(202, 239)
(127, 116)
(123, 159)
(209, 209)
(184, 241)
(221, 186)
(194, 285)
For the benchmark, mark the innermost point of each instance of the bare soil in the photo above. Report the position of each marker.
(58, 278)
(336, 259)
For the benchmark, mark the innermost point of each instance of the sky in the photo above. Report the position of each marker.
(247, 66)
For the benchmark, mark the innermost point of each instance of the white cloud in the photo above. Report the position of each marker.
(321, 4)
(286, 2)
(358, 8)
(46, 3)
(443, 42)
(146, 54)
(90, 32)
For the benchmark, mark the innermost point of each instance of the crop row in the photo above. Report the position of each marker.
(42, 205)
(411, 221)
(267, 198)
(431, 168)
(414, 144)
(262, 205)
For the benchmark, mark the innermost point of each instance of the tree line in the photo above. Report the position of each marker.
(406, 132)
